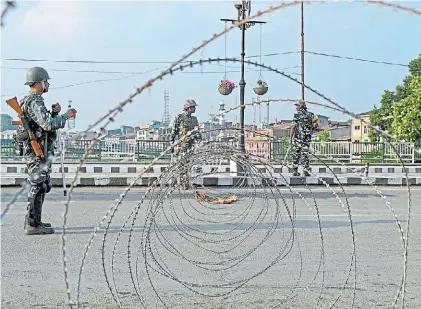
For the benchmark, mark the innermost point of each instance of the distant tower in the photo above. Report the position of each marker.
(166, 118)
(221, 120)
(221, 111)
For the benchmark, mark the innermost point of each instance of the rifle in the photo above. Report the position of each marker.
(13, 103)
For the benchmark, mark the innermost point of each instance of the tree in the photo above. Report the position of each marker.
(407, 112)
(323, 136)
(395, 107)
(381, 116)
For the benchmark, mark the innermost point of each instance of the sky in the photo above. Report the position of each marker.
(161, 32)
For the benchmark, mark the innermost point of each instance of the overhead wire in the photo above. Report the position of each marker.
(167, 62)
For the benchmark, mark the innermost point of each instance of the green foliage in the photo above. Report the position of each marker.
(407, 112)
(323, 136)
(415, 66)
(399, 111)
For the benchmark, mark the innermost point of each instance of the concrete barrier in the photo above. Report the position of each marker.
(133, 168)
(221, 180)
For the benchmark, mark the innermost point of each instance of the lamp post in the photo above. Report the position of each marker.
(243, 7)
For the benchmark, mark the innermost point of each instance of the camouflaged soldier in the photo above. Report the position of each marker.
(300, 137)
(44, 125)
(183, 124)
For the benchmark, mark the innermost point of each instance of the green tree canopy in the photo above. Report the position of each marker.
(406, 123)
(399, 111)
(323, 136)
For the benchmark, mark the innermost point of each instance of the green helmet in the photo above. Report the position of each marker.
(300, 104)
(36, 74)
(189, 103)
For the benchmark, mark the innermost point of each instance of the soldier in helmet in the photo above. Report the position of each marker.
(303, 124)
(184, 123)
(44, 125)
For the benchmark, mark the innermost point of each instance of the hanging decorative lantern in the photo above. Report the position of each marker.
(261, 87)
(226, 87)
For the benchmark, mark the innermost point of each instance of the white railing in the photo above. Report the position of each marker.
(345, 152)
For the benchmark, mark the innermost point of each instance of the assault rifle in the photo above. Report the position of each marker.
(14, 104)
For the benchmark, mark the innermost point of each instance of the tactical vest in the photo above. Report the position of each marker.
(186, 125)
(22, 136)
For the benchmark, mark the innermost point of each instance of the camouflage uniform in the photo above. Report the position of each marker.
(303, 122)
(44, 125)
(183, 124)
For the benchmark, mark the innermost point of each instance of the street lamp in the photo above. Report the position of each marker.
(242, 7)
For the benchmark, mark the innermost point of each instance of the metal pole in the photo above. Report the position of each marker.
(302, 51)
(242, 81)
(61, 140)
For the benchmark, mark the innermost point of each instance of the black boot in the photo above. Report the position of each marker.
(307, 172)
(33, 224)
(295, 172)
(39, 207)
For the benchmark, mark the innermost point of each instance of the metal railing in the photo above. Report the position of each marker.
(146, 150)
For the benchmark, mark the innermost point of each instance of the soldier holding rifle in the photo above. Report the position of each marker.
(37, 134)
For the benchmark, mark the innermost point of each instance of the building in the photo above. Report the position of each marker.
(340, 131)
(145, 132)
(7, 135)
(323, 122)
(258, 142)
(155, 131)
(359, 129)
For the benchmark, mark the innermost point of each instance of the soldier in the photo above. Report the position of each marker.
(44, 125)
(184, 123)
(300, 137)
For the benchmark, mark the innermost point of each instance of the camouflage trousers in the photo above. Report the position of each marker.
(40, 184)
(184, 159)
(300, 150)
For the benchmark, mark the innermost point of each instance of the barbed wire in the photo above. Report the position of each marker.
(225, 153)
(9, 5)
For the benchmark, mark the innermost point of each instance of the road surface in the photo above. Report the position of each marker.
(249, 236)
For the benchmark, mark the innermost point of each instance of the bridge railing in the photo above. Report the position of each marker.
(146, 150)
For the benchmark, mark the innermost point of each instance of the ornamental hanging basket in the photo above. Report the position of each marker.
(226, 87)
(261, 88)
(224, 91)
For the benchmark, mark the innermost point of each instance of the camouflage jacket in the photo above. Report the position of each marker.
(184, 123)
(303, 122)
(42, 122)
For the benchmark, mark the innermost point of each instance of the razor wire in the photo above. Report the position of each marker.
(117, 110)
(9, 5)
(161, 184)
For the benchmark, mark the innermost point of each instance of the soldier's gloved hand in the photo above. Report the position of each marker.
(71, 113)
(56, 108)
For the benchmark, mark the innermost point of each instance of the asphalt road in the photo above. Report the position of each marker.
(229, 243)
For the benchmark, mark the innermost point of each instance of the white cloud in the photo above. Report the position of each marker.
(56, 20)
